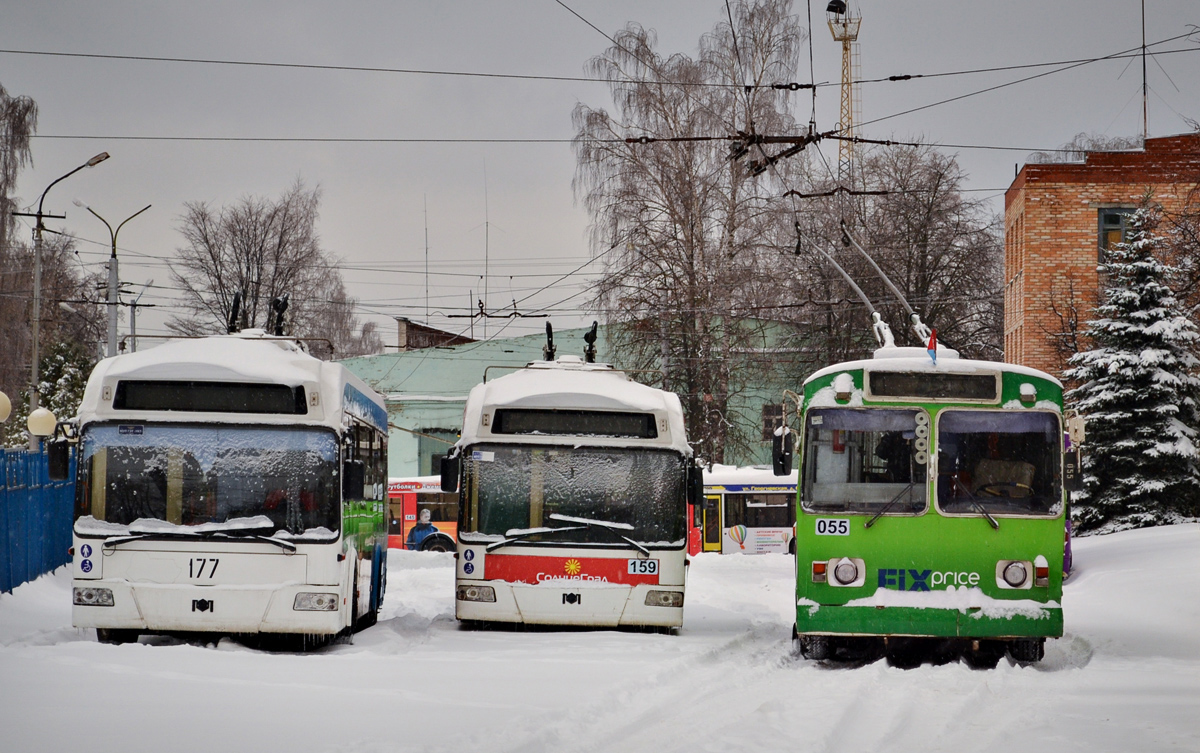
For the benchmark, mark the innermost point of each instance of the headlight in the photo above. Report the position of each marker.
(93, 597)
(475, 593)
(312, 602)
(664, 598)
(1015, 574)
(846, 572)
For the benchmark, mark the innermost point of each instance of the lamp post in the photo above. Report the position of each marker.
(39, 226)
(114, 280)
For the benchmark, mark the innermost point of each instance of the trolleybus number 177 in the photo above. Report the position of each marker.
(833, 527)
(643, 567)
(196, 566)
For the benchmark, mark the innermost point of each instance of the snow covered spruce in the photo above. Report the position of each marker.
(1138, 388)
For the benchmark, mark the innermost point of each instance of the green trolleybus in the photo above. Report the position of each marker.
(930, 508)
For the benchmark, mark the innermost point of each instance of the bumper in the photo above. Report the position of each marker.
(934, 623)
(223, 609)
(610, 606)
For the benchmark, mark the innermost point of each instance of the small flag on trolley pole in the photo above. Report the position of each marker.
(933, 346)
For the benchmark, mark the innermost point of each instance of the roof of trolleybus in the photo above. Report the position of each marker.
(747, 478)
(570, 384)
(250, 357)
(909, 359)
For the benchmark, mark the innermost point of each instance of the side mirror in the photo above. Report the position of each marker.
(1076, 429)
(695, 485)
(1072, 473)
(58, 460)
(354, 476)
(781, 451)
(449, 470)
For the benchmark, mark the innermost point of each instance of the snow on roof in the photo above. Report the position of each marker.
(249, 356)
(753, 475)
(918, 360)
(571, 384)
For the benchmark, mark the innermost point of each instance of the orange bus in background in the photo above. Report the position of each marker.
(407, 498)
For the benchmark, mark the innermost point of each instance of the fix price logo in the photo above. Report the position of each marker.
(901, 579)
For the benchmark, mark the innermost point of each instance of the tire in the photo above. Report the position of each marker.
(1027, 650)
(816, 647)
(116, 637)
(437, 543)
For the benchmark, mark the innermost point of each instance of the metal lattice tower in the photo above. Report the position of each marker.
(844, 24)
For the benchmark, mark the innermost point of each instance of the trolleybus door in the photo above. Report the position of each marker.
(712, 523)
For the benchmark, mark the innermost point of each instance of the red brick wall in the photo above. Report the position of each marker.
(1051, 235)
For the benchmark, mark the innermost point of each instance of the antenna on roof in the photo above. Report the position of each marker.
(234, 310)
(589, 337)
(919, 327)
(548, 349)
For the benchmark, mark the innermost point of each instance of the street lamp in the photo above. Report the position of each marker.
(113, 279)
(39, 226)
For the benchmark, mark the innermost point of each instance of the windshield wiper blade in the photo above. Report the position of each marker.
(978, 505)
(888, 506)
(181, 536)
(605, 525)
(534, 532)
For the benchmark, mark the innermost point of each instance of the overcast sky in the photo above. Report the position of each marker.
(373, 194)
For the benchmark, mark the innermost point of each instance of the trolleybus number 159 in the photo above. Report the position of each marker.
(833, 527)
(643, 567)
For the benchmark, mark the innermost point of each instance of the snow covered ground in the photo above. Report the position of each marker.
(1126, 676)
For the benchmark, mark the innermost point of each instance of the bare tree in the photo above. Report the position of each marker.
(679, 224)
(260, 250)
(18, 121)
(1076, 150)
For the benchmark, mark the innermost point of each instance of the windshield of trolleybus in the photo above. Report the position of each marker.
(1005, 463)
(865, 461)
(511, 487)
(192, 475)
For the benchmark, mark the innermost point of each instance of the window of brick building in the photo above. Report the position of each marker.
(772, 419)
(1114, 224)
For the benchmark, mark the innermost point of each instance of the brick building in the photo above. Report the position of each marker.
(1058, 218)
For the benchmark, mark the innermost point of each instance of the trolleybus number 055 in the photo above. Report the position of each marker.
(833, 527)
(643, 567)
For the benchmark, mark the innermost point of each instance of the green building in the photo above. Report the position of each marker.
(426, 391)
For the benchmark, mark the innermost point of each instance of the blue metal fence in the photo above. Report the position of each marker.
(35, 517)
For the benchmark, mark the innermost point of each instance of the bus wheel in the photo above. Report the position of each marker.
(436, 543)
(116, 637)
(815, 647)
(1027, 650)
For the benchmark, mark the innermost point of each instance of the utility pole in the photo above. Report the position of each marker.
(133, 307)
(36, 317)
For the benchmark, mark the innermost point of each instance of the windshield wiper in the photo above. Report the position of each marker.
(975, 501)
(604, 525)
(526, 534)
(181, 536)
(888, 506)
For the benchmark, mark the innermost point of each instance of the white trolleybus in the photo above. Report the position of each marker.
(574, 486)
(229, 485)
